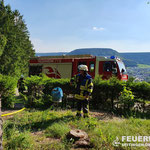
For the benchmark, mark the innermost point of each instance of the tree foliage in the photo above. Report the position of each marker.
(3, 41)
(16, 48)
(7, 90)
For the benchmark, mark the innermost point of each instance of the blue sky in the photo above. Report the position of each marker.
(65, 25)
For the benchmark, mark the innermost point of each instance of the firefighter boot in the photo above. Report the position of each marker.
(79, 106)
(86, 108)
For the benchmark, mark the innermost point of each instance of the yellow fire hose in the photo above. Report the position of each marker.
(13, 112)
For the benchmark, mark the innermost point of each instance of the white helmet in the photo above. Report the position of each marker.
(83, 67)
(22, 76)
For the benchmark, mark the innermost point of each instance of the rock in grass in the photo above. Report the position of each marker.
(83, 144)
(77, 134)
(80, 138)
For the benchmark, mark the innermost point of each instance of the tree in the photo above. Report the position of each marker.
(17, 48)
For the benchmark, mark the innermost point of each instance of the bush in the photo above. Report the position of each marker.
(127, 99)
(50, 83)
(39, 90)
(106, 91)
(34, 95)
(140, 89)
(7, 90)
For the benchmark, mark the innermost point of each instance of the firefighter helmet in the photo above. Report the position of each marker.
(22, 76)
(83, 67)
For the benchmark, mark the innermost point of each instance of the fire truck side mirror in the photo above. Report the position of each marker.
(122, 70)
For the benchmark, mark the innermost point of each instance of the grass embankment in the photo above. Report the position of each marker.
(47, 130)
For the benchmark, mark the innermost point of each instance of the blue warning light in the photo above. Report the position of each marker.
(112, 57)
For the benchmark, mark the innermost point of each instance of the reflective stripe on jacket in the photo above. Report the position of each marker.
(83, 86)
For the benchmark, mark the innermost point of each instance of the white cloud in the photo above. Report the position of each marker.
(98, 28)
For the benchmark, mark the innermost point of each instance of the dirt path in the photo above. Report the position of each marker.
(100, 115)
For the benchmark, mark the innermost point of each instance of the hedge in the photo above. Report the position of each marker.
(107, 94)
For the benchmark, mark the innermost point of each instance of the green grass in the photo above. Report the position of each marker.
(57, 130)
(47, 129)
(143, 66)
(15, 139)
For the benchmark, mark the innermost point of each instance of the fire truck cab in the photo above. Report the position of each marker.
(67, 66)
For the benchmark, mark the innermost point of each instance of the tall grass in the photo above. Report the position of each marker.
(15, 139)
(57, 130)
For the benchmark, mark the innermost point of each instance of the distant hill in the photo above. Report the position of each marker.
(129, 62)
(140, 58)
(95, 52)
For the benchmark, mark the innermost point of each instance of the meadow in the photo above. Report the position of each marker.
(47, 129)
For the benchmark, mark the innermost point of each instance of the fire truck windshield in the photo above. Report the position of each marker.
(122, 67)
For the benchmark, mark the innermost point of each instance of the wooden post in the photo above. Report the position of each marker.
(1, 123)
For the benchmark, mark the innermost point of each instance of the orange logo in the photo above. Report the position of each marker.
(52, 73)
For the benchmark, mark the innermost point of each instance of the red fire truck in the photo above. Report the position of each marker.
(67, 66)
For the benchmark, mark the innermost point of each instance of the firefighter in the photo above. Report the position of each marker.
(21, 84)
(84, 87)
